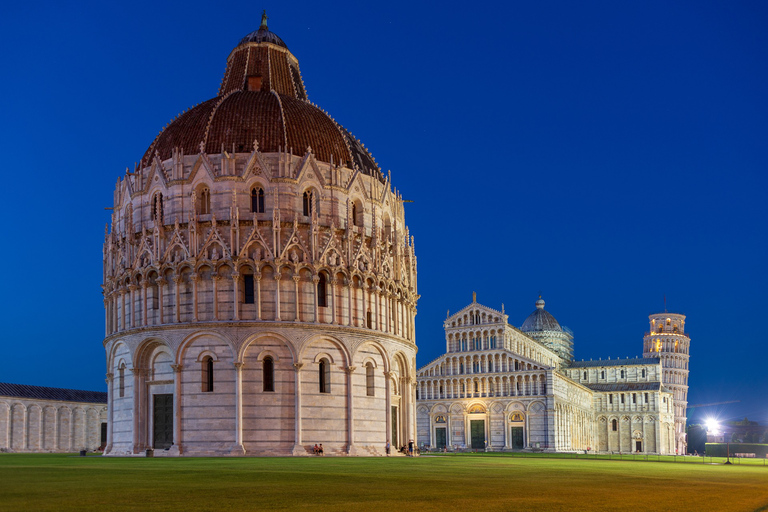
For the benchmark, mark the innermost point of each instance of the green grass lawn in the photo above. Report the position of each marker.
(465, 482)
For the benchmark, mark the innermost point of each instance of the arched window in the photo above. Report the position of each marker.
(602, 374)
(585, 375)
(205, 201)
(370, 390)
(614, 425)
(249, 297)
(643, 373)
(307, 203)
(354, 215)
(268, 370)
(622, 374)
(324, 376)
(257, 200)
(207, 374)
(121, 380)
(322, 300)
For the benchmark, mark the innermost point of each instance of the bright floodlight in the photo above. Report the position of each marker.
(712, 426)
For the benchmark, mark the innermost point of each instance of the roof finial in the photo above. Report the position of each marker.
(264, 19)
(474, 297)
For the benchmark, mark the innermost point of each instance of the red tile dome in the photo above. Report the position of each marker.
(262, 99)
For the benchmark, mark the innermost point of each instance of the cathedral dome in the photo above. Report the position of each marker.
(262, 102)
(540, 320)
(263, 35)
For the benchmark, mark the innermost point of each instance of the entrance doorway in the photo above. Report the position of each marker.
(440, 437)
(517, 438)
(477, 431)
(394, 428)
(638, 446)
(162, 416)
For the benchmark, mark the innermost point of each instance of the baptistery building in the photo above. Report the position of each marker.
(259, 280)
(500, 387)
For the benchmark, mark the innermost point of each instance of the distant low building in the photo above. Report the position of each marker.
(498, 387)
(42, 419)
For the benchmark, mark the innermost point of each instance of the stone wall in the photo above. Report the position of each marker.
(29, 425)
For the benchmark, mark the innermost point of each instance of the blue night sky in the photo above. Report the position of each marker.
(605, 154)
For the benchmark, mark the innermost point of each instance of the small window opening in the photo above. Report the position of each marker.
(369, 382)
(614, 425)
(369, 319)
(257, 200)
(248, 292)
(322, 300)
(254, 83)
(268, 374)
(207, 374)
(307, 203)
(121, 380)
(205, 201)
(324, 376)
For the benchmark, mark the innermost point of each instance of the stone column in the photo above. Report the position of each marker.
(257, 278)
(238, 448)
(364, 310)
(106, 317)
(110, 380)
(56, 419)
(376, 320)
(113, 298)
(236, 295)
(388, 416)
(144, 302)
(161, 282)
(351, 448)
(296, 278)
(122, 309)
(350, 311)
(215, 278)
(195, 279)
(278, 276)
(136, 408)
(177, 292)
(298, 449)
(385, 311)
(25, 430)
(332, 282)
(315, 280)
(177, 448)
(132, 299)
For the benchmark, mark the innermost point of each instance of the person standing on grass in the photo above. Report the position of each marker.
(410, 448)
(389, 447)
(320, 450)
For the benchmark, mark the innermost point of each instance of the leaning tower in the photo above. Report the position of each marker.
(667, 340)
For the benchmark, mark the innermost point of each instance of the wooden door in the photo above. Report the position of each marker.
(517, 438)
(477, 432)
(162, 415)
(440, 437)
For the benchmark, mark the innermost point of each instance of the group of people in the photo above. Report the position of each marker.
(318, 449)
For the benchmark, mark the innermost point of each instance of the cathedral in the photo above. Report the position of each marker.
(259, 280)
(500, 388)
